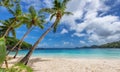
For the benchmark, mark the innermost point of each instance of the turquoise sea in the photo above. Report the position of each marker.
(75, 53)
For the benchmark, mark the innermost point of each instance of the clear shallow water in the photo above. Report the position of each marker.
(75, 53)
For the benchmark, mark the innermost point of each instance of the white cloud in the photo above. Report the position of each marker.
(65, 43)
(64, 31)
(98, 29)
(82, 42)
(78, 34)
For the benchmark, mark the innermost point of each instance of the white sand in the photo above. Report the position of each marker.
(73, 65)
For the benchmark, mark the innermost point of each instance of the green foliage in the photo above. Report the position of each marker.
(17, 68)
(32, 11)
(107, 45)
(5, 25)
(33, 18)
(6, 3)
(2, 50)
(58, 10)
(12, 41)
(111, 45)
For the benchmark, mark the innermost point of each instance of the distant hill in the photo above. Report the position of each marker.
(108, 45)
(10, 42)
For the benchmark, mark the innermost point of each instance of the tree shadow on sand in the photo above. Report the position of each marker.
(34, 60)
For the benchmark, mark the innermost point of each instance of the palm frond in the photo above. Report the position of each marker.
(29, 25)
(13, 33)
(52, 16)
(56, 4)
(18, 24)
(32, 11)
(48, 10)
(65, 2)
(11, 11)
(18, 9)
(2, 50)
(40, 25)
(1, 21)
(6, 3)
(67, 13)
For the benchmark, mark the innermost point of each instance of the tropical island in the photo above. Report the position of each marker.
(107, 45)
(60, 25)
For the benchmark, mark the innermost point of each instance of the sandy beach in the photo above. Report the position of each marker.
(72, 64)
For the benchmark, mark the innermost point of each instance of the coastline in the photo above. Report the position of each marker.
(45, 64)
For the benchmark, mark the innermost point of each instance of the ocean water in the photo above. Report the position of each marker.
(74, 53)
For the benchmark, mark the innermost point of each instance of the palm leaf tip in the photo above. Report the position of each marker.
(52, 16)
(68, 13)
(32, 11)
(2, 50)
(47, 10)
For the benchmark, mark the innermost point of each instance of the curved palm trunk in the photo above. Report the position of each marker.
(17, 50)
(7, 31)
(26, 58)
(6, 63)
(20, 41)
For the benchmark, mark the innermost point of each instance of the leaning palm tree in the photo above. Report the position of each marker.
(58, 11)
(31, 20)
(5, 25)
(17, 13)
(17, 17)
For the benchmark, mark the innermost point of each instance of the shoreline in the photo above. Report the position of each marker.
(66, 57)
(45, 64)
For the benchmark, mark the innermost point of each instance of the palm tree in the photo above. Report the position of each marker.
(5, 25)
(16, 16)
(58, 11)
(31, 20)
(16, 19)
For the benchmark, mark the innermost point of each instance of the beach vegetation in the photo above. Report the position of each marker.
(33, 18)
(58, 11)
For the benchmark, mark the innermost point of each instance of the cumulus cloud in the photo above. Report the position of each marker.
(64, 31)
(82, 42)
(78, 34)
(88, 19)
(97, 27)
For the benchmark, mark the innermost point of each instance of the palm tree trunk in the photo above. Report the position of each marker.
(20, 41)
(18, 50)
(16, 53)
(6, 63)
(7, 31)
(26, 58)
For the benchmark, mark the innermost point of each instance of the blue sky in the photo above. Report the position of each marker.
(94, 22)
